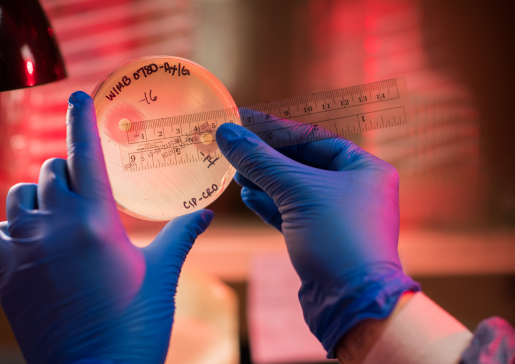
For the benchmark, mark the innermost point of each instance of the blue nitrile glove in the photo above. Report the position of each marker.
(71, 284)
(337, 207)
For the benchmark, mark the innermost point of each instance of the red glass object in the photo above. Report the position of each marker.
(29, 53)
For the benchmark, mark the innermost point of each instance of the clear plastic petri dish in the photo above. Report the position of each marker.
(157, 117)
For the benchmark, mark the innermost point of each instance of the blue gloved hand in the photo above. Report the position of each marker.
(337, 207)
(71, 284)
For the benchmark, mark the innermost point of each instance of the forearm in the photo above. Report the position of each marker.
(417, 331)
(356, 344)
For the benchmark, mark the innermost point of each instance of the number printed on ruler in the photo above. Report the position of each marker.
(170, 141)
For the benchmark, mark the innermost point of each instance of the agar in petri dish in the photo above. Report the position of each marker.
(157, 117)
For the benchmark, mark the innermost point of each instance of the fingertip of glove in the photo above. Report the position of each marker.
(250, 198)
(78, 102)
(227, 134)
(247, 194)
(78, 98)
(209, 215)
(257, 200)
(227, 128)
(243, 181)
(204, 219)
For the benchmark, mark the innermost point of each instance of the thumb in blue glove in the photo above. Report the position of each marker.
(337, 207)
(71, 284)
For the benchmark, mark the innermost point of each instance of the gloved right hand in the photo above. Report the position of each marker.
(338, 208)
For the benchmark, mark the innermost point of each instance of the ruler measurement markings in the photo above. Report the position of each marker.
(347, 116)
(309, 107)
(192, 140)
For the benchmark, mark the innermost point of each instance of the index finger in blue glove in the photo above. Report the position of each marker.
(86, 165)
(329, 151)
(256, 160)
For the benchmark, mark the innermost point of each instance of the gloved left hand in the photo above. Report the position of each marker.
(71, 284)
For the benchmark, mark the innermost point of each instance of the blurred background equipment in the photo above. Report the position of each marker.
(29, 51)
(205, 323)
(455, 162)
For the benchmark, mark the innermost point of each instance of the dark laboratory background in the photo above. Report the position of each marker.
(456, 162)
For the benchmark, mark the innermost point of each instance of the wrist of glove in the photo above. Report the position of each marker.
(369, 292)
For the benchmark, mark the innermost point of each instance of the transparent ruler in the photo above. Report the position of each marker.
(168, 141)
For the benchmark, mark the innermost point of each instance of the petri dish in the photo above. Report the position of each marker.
(157, 117)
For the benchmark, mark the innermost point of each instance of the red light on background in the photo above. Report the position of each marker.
(372, 44)
(30, 67)
(371, 66)
(371, 22)
(30, 73)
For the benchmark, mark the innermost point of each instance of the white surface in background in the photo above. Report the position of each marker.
(205, 328)
(277, 330)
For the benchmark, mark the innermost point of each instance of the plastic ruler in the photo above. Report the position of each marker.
(341, 112)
